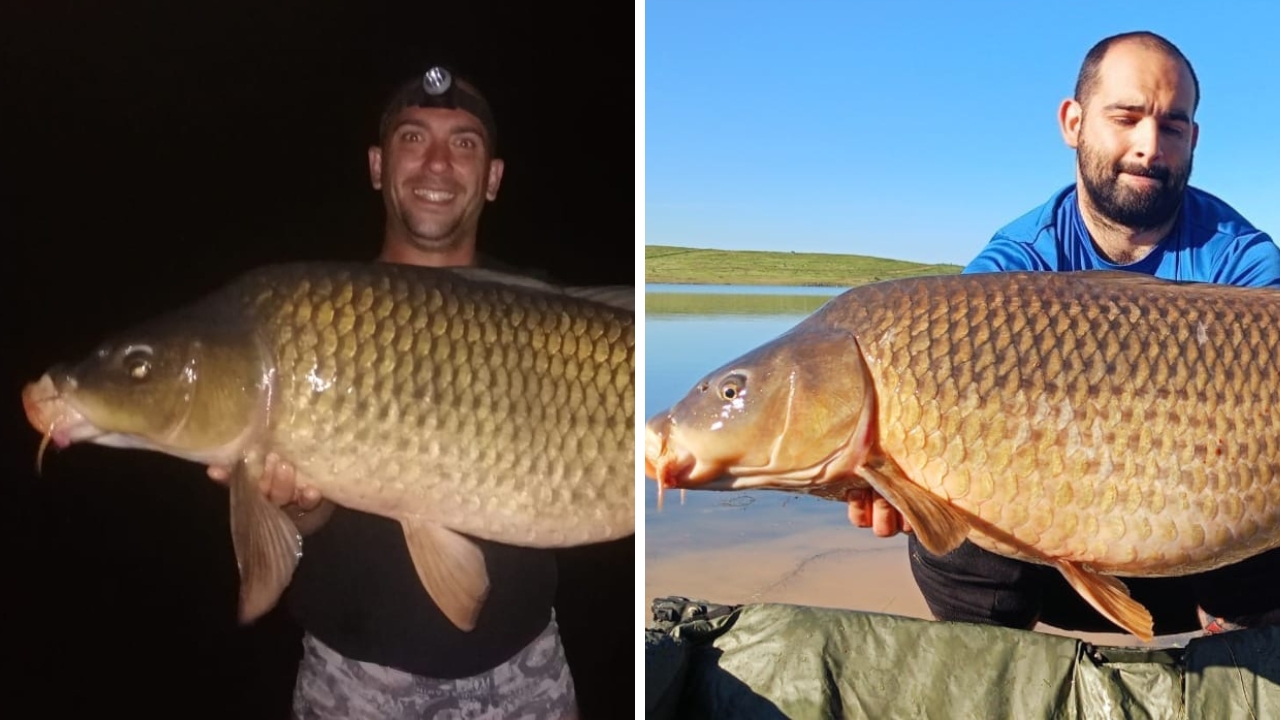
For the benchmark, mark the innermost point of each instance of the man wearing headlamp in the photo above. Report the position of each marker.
(376, 645)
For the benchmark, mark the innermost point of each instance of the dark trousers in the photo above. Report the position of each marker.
(970, 584)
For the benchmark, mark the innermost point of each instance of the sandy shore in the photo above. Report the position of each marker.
(827, 567)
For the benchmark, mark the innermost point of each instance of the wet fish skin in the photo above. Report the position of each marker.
(456, 401)
(545, 381)
(1107, 424)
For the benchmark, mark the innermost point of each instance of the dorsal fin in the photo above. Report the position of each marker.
(483, 274)
(618, 296)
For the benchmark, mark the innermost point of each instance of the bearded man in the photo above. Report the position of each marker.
(1132, 124)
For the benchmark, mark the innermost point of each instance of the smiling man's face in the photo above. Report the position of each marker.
(435, 175)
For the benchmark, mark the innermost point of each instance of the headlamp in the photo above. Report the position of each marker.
(437, 81)
(438, 89)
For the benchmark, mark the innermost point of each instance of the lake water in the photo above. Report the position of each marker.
(760, 546)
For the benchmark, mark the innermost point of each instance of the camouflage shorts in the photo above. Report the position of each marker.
(535, 685)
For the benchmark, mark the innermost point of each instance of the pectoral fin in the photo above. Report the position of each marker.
(940, 527)
(1110, 597)
(267, 544)
(451, 568)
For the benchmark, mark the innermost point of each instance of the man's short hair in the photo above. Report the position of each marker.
(440, 87)
(1087, 80)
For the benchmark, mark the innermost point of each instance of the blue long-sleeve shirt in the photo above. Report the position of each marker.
(1209, 242)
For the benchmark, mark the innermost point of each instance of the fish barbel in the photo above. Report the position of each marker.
(1108, 424)
(461, 402)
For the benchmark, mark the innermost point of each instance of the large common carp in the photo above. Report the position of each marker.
(457, 401)
(1106, 424)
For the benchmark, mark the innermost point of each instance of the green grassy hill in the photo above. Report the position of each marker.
(670, 264)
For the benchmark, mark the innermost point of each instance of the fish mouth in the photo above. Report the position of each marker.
(674, 466)
(662, 462)
(52, 415)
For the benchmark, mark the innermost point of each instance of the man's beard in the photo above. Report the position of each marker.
(1133, 208)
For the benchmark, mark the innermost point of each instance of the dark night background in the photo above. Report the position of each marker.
(150, 151)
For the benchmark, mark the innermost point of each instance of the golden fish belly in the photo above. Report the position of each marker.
(504, 415)
(1127, 425)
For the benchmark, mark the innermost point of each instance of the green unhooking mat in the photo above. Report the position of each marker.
(786, 661)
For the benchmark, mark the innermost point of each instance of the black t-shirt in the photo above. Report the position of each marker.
(356, 590)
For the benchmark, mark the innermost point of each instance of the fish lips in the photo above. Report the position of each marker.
(43, 400)
(675, 468)
(50, 411)
(666, 461)
(660, 462)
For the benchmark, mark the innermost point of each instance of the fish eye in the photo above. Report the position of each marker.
(137, 362)
(733, 387)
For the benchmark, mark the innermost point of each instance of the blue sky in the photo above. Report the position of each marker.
(913, 130)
